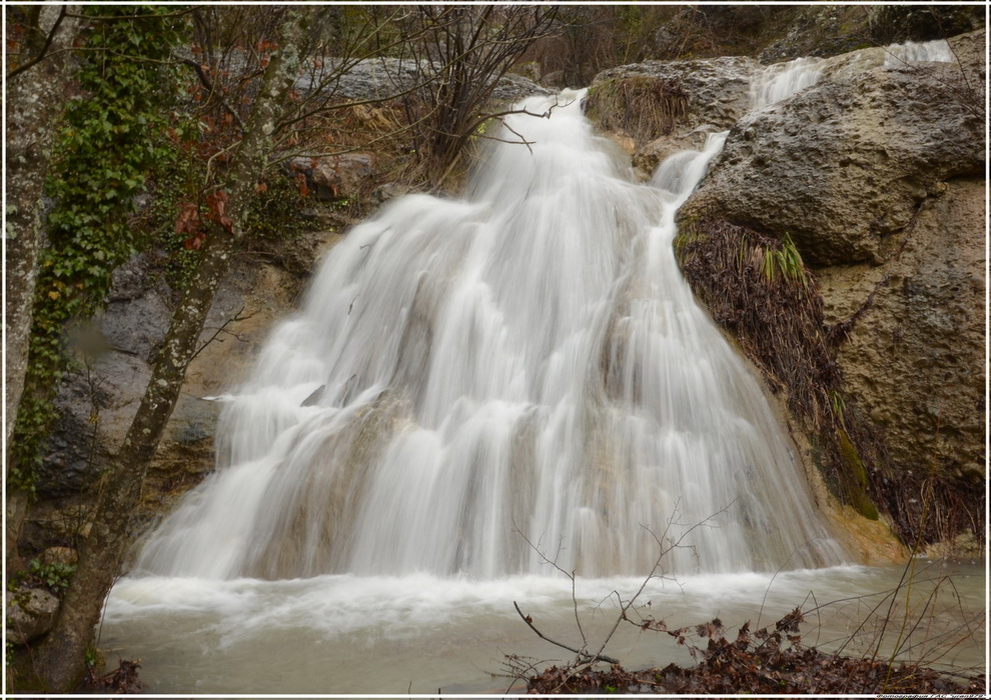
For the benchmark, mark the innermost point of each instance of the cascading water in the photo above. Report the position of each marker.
(526, 365)
(526, 362)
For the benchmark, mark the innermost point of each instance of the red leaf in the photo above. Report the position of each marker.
(216, 202)
(187, 222)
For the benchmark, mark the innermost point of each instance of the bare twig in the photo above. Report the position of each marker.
(222, 329)
(209, 86)
(583, 655)
(44, 49)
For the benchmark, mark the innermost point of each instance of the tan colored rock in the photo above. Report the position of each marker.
(878, 176)
(844, 165)
(59, 555)
(914, 357)
(716, 90)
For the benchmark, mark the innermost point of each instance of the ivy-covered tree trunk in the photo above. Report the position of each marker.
(35, 95)
(60, 659)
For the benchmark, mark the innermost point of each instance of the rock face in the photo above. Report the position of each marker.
(877, 175)
(98, 401)
(913, 359)
(845, 164)
(381, 78)
(661, 107)
(717, 89)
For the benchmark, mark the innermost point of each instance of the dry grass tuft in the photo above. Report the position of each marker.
(645, 108)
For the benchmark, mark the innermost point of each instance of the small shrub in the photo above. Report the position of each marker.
(54, 575)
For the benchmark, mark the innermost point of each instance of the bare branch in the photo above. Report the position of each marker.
(584, 656)
(209, 86)
(44, 49)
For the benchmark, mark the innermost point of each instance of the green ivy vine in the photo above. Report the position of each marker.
(105, 148)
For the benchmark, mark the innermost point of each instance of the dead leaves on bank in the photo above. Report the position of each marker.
(123, 680)
(770, 660)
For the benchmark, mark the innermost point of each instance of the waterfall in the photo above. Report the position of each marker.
(475, 386)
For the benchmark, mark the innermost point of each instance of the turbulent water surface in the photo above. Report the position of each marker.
(420, 633)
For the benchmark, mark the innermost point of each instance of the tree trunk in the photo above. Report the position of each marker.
(60, 658)
(34, 99)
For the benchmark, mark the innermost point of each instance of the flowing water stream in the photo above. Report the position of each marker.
(472, 390)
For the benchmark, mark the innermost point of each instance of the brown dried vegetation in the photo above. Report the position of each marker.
(771, 659)
(777, 319)
(645, 108)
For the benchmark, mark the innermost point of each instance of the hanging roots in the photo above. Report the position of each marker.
(757, 288)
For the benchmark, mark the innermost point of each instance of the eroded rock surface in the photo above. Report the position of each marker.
(717, 89)
(913, 359)
(845, 164)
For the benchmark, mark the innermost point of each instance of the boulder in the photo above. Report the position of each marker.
(716, 90)
(513, 88)
(845, 164)
(30, 614)
(878, 175)
(382, 78)
(337, 177)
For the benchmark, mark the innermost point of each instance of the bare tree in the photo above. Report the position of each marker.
(60, 658)
(466, 50)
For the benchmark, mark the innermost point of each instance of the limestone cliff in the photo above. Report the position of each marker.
(876, 174)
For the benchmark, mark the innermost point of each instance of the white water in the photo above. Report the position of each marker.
(525, 364)
(464, 376)
(420, 633)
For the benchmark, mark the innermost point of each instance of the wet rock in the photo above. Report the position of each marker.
(845, 164)
(877, 174)
(30, 614)
(647, 158)
(97, 400)
(73, 452)
(913, 359)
